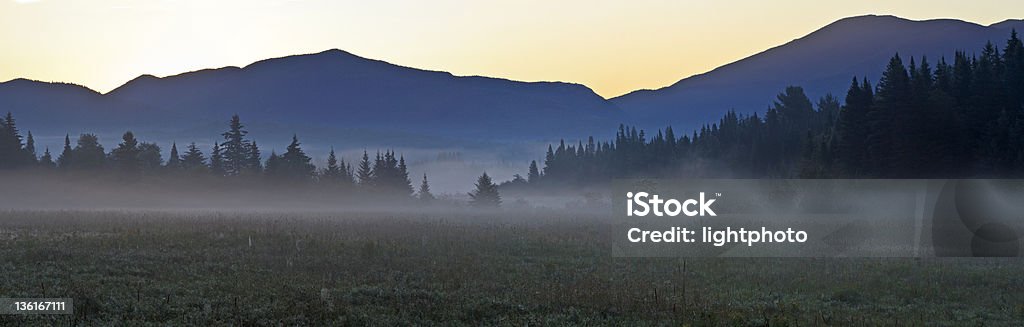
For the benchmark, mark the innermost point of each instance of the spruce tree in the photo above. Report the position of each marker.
(365, 172)
(295, 164)
(217, 160)
(424, 193)
(30, 148)
(332, 172)
(174, 160)
(88, 153)
(236, 153)
(193, 160)
(64, 161)
(46, 160)
(534, 174)
(403, 184)
(254, 164)
(12, 155)
(486, 193)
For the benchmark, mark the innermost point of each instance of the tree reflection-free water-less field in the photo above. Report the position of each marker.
(464, 268)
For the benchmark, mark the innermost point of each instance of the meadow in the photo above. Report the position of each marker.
(531, 267)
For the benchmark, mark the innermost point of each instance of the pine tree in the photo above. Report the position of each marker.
(333, 172)
(486, 193)
(424, 193)
(12, 155)
(64, 161)
(30, 148)
(534, 174)
(88, 153)
(217, 160)
(46, 160)
(254, 164)
(294, 163)
(174, 160)
(193, 160)
(273, 166)
(365, 172)
(237, 154)
(403, 184)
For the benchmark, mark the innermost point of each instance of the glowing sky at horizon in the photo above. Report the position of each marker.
(611, 46)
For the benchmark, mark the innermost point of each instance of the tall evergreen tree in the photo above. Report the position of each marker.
(217, 160)
(30, 148)
(486, 193)
(88, 153)
(236, 153)
(193, 160)
(174, 160)
(64, 160)
(365, 172)
(46, 160)
(12, 155)
(254, 164)
(424, 193)
(533, 176)
(294, 163)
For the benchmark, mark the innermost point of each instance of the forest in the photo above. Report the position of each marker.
(236, 158)
(958, 119)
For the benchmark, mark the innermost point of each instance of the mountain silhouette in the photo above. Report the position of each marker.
(333, 95)
(822, 62)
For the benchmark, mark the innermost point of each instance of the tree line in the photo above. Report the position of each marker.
(957, 119)
(237, 157)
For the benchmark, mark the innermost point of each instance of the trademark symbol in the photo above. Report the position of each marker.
(718, 194)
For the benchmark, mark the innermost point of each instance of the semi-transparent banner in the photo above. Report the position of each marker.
(817, 218)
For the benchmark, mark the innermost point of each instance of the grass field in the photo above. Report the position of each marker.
(541, 268)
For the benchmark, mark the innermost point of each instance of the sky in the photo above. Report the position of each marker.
(613, 47)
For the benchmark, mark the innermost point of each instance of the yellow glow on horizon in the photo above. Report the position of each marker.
(611, 46)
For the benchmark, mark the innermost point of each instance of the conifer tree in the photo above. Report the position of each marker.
(254, 164)
(46, 160)
(236, 155)
(126, 155)
(30, 148)
(193, 160)
(365, 172)
(174, 160)
(64, 161)
(533, 176)
(217, 160)
(424, 194)
(486, 193)
(149, 156)
(294, 163)
(88, 153)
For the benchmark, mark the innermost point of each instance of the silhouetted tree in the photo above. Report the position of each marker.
(424, 193)
(88, 153)
(486, 193)
(193, 160)
(174, 160)
(125, 157)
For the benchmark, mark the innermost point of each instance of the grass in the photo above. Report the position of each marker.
(542, 268)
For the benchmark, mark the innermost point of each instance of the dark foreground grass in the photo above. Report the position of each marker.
(160, 268)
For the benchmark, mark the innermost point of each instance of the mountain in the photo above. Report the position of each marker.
(333, 97)
(821, 62)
